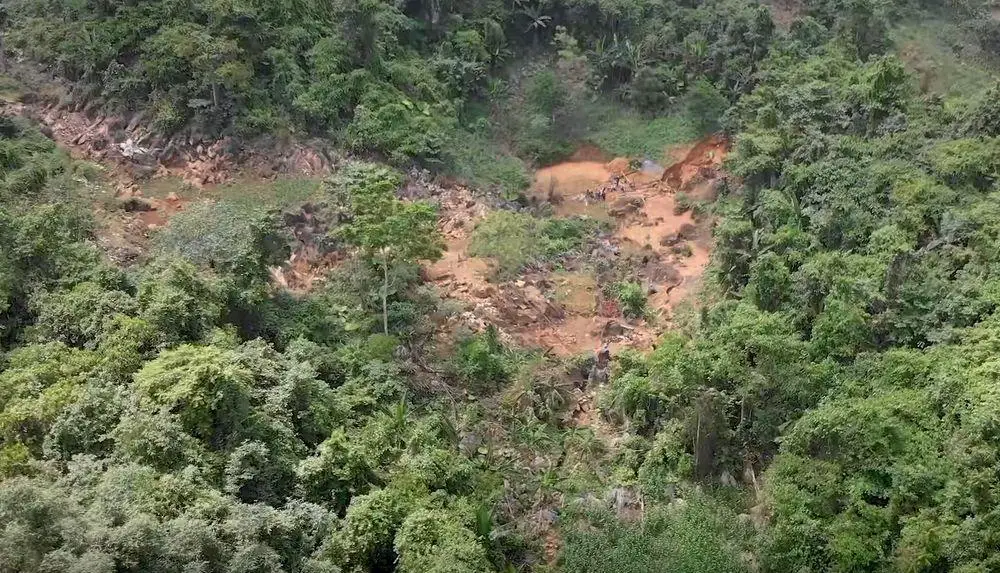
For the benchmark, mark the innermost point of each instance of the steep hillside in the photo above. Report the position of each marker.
(577, 285)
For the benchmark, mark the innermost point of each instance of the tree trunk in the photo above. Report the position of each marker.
(385, 295)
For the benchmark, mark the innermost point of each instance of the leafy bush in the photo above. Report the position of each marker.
(430, 540)
(483, 164)
(82, 316)
(693, 537)
(233, 238)
(706, 105)
(482, 360)
(632, 297)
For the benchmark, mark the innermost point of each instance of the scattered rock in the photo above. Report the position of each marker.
(618, 166)
(625, 206)
(727, 479)
(545, 518)
(759, 516)
(137, 205)
(433, 275)
(670, 277)
(135, 121)
(469, 444)
(687, 232)
(612, 328)
(681, 250)
(622, 499)
(130, 148)
(669, 240)
(554, 311)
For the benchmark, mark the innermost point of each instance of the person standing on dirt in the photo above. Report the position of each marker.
(601, 370)
(619, 180)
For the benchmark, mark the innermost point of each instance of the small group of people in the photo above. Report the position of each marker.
(618, 180)
(617, 183)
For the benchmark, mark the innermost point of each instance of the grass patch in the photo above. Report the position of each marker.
(632, 298)
(162, 187)
(545, 119)
(482, 163)
(279, 193)
(575, 291)
(236, 237)
(275, 194)
(701, 535)
(621, 132)
(11, 90)
(514, 240)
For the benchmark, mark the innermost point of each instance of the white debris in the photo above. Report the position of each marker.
(130, 148)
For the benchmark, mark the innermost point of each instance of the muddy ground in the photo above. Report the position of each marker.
(565, 312)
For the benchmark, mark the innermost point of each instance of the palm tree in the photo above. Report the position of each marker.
(537, 21)
(397, 417)
(695, 51)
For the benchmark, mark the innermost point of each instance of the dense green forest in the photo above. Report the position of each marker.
(830, 403)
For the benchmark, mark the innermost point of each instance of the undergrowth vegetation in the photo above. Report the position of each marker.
(831, 407)
(514, 240)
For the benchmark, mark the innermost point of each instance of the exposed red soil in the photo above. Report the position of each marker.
(136, 153)
(640, 205)
(133, 157)
(669, 251)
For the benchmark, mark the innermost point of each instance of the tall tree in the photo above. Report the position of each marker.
(385, 229)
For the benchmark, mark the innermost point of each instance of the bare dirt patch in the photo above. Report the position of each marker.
(151, 178)
(576, 291)
(566, 312)
(785, 12)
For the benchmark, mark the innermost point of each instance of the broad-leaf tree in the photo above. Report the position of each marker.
(386, 230)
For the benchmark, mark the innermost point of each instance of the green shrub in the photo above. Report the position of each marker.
(705, 104)
(226, 236)
(482, 163)
(632, 297)
(482, 360)
(973, 162)
(696, 537)
(546, 94)
(403, 131)
(166, 117)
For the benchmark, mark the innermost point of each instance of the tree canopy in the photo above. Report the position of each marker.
(829, 404)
